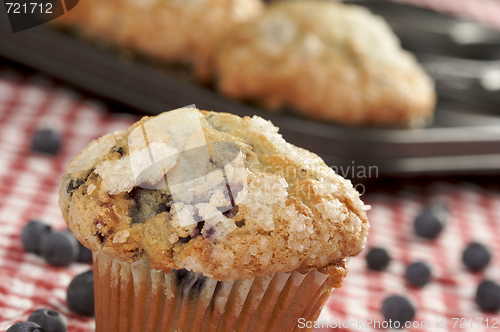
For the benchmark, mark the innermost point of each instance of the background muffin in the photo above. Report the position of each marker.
(172, 30)
(330, 61)
(210, 199)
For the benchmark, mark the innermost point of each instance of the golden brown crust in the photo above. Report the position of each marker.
(294, 212)
(174, 30)
(328, 60)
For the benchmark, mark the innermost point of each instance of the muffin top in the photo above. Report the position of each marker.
(213, 193)
(173, 30)
(327, 60)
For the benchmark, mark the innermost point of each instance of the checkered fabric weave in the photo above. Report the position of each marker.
(29, 185)
(475, 216)
(29, 190)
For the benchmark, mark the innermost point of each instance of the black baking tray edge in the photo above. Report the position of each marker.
(425, 151)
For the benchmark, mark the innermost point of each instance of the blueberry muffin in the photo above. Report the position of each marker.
(327, 61)
(209, 220)
(183, 31)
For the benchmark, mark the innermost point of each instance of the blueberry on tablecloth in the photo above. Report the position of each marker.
(377, 259)
(49, 319)
(476, 257)
(418, 274)
(431, 220)
(59, 248)
(80, 294)
(32, 235)
(26, 327)
(84, 254)
(398, 309)
(46, 141)
(488, 296)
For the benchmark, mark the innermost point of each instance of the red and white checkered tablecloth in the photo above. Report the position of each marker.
(29, 185)
(29, 189)
(475, 216)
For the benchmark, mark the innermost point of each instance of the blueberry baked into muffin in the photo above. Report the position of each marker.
(327, 61)
(207, 221)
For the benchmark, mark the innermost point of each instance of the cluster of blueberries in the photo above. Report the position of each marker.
(80, 298)
(42, 320)
(59, 249)
(429, 224)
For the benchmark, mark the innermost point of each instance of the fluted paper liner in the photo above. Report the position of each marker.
(135, 298)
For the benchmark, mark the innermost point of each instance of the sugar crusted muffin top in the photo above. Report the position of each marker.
(329, 61)
(172, 30)
(213, 193)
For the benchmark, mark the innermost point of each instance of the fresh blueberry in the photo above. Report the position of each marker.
(377, 259)
(84, 254)
(46, 141)
(476, 257)
(430, 222)
(418, 274)
(49, 319)
(80, 294)
(32, 234)
(398, 309)
(59, 248)
(488, 296)
(26, 327)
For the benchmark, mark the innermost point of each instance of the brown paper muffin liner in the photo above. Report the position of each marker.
(135, 298)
